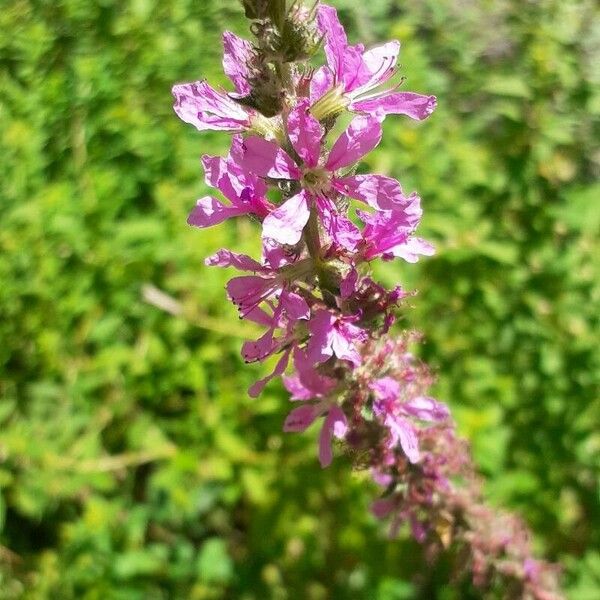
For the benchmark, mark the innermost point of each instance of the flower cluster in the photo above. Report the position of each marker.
(298, 136)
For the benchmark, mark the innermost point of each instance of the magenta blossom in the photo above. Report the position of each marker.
(394, 412)
(356, 74)
(245, 191)
(334, 425)
(267, 298)
(307, 383)
(205, 108)
(331, 335)
(320, 178)
(248, 292)
(389, 234)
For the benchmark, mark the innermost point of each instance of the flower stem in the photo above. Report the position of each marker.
(312, 238)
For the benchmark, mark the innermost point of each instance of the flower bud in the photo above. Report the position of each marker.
(300, 38)
(263, 9)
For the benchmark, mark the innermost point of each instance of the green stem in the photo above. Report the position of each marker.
(313, 240)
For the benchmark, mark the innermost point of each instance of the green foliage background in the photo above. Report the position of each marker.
(132, 463)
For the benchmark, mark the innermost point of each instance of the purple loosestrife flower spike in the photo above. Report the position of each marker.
(327, 325)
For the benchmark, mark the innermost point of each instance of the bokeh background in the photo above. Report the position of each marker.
(132, 463)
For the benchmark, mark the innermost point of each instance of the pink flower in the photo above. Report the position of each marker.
(245, 191)
(332, 334)
(268, 345)
(393, 412)
(204, 107)
(248, 292)
(388, 398)
(319, 178)
(334, 425)
(307, 383)
(357, 72)
(266, 297)
(389, 234)
(314, 301)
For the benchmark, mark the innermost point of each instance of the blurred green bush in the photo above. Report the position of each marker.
(132, 463)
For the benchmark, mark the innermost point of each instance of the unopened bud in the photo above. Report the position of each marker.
(300, 37)
(262, 9)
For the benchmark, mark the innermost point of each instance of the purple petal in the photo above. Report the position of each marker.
(248, 291)
(256, 350)
(226, 177)
(294, 306)
(232, 180)
(321, 82)
(267, 159)
(388, 233)
(301, 360)
(386, 388)
(205, 108)
(404, 432)
(300, 418)
(242, 262)
(305, 133)
(274, 254)
(393, 224)
(285, 224)
(344, 348)
(426, 409)
(340, 229)
(380, 63)
(354, 75)
(339, 423)
(363, 134)
(237, 55)
(308, 389)
(309, 378)
(345, 61)
(297, 389)
(336, 41)
(343, 231)
(243, 177)
(412, 249)
(348, 284)
(416, 106)
(381, 478)
(209, 211)
(378, 191)
(215, 168)
(335, 424)
(280, 367)
(319, 348)
(259, 316)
